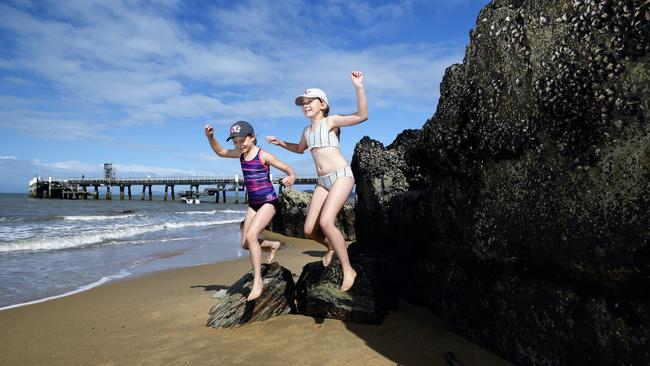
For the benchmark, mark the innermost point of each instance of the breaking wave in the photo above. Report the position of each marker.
(97, 217)
(90, 238)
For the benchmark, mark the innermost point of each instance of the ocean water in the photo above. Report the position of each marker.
(53, 247)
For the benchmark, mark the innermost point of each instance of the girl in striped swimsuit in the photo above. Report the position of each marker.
(262, 199)
(335, 179)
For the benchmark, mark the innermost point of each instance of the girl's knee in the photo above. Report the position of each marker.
(249, 239)
(327, 225)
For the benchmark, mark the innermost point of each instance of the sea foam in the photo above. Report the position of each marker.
(97, 217)
(88, 238)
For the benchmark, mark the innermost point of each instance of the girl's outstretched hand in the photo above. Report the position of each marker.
(288, 180)
(209, 130)
(273, 140)
(357, 78)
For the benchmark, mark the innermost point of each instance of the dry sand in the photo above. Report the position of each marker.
(159, 319)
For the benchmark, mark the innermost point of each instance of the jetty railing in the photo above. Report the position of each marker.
(78, 188)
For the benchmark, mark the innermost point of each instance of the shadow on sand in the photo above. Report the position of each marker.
(210, 287)
(315, 253)
(414, 336)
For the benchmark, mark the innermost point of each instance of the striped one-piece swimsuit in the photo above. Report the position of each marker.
(257, 180)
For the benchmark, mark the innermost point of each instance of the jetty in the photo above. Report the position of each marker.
(62, 188)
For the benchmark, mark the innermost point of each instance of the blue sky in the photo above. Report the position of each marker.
(133, 82)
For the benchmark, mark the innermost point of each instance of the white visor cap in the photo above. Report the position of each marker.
(312, 93)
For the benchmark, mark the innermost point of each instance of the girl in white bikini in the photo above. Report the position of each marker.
(335, 179)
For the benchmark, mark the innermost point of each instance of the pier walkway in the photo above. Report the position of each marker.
(78, 188)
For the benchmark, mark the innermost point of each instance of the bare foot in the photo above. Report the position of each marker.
(327, 258)
(256, 291)
(348, 280)
(274, 248)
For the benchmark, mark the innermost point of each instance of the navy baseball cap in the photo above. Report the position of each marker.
(240, 129)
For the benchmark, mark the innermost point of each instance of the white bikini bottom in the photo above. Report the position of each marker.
(326, 181)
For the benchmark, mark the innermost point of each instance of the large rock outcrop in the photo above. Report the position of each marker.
(293, 209)
(519, 212)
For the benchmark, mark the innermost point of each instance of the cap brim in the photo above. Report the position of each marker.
(299, 99)
(238, 135)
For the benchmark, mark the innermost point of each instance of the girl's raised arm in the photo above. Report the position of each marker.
(361, 114)
(216, 146)
(298, 148)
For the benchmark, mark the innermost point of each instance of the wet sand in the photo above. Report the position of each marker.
(159, 319)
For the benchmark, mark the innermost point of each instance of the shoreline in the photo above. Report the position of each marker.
(88, 287)
(159, 318)
(32, 277)
(110, 279)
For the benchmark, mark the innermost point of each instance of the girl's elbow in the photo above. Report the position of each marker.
(363, 117)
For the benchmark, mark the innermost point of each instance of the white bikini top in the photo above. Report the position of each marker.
(321, 136)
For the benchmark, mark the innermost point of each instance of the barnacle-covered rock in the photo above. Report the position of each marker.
(292, 210)
(519, 213)
(277, 298)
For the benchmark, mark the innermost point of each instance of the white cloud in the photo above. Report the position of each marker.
(141, 170)
(66, 169)
(73, 165)
(369, 13)
(141, 61)
(17, 81)
(44, 125)
(16, 172)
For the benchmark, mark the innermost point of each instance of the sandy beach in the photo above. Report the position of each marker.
(159, 319)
